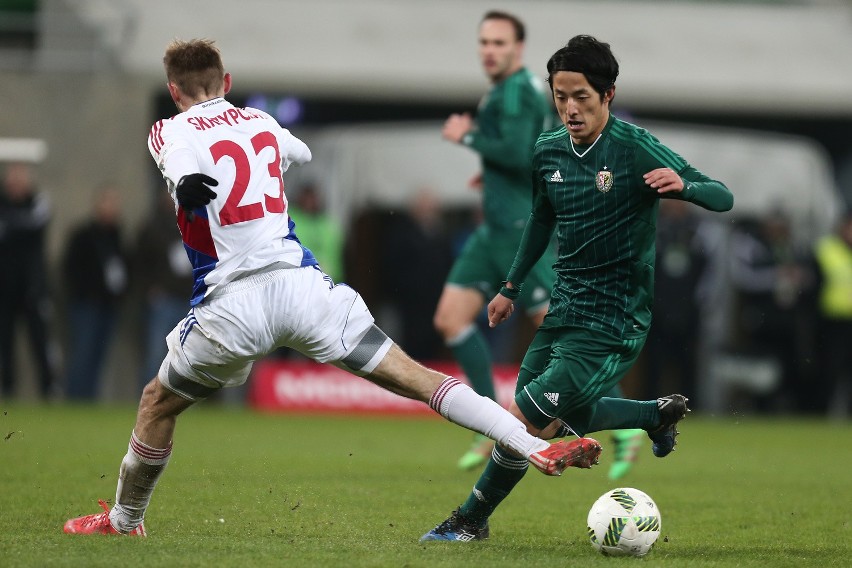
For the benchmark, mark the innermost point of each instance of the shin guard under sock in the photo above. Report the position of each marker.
(500, 476)
(140, 470)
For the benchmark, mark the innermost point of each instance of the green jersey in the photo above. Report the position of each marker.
(605, 219)
(509, 119)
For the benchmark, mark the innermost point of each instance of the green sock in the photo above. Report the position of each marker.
(616, 392)
(617, 414)
(474, 356)
(496, 482)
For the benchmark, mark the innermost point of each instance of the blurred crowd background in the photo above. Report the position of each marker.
(753, 308)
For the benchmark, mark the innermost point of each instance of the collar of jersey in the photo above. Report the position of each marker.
(209, 102)
(586, 151)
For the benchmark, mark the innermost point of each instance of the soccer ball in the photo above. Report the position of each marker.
(624, 522)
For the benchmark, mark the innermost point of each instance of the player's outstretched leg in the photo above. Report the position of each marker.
(582, 453)
(672, 410)
(99, 524)
(457, 528)
(626, 444)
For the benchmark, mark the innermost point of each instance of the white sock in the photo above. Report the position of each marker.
(140, 470)
(459, 404)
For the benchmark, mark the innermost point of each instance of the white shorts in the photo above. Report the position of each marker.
(218, 341)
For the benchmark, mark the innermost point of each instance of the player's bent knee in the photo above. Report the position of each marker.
(457, 309)
(447, 323)
(368, 353)
(159, 402)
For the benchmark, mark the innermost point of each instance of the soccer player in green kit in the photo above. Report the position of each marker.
(509, 119)
(596, 182)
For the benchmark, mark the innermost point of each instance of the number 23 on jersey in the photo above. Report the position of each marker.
(232, 212)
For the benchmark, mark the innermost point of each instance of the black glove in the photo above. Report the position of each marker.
(192, 192)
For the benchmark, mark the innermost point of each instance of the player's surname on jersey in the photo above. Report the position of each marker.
(230, 117)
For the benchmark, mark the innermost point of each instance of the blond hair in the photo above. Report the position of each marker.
(195, 66)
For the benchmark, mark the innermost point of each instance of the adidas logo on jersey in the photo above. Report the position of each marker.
(553, 397)
(556, 176)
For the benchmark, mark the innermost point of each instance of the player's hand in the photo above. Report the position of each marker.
(664, 180)
(192, 191)
(499, 310)
(475, 183)
(456, 127)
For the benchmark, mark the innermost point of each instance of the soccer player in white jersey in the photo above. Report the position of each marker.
(257, 288)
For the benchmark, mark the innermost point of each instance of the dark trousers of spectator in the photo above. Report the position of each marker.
(34, 312)
(92, 324)
(162, 315)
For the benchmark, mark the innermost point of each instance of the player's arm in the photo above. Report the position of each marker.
(293, 150)
(174, 157)
(670, 176)
(704, 191)
(179, 166)
(191, 187)
(534, 242)
(512, 149)
(537, 234)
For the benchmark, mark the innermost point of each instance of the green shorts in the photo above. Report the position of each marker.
(486, 259)
(567, 370)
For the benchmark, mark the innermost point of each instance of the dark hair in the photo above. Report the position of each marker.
(520, 31)
(195, 66)
(585, 54)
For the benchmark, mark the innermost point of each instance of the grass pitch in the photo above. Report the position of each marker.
(246, 489)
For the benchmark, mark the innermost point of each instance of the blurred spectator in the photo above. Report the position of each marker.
(771, 280)
(418, 256)
(833, 255)
(24, 217)
(164, 276)
(682, 263)
(95, 268)
(317, 230)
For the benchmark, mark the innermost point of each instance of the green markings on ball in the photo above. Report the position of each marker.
(624, 499)
(647, 524)
(613, 532)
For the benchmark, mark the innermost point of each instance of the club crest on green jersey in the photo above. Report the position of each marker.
(603, 180)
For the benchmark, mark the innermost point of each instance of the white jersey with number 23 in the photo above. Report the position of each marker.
(245, 229)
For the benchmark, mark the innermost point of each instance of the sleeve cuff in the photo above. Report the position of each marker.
(511, 293)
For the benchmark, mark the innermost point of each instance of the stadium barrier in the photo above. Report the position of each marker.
(305, 386)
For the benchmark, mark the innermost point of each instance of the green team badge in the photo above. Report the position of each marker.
(603, 181)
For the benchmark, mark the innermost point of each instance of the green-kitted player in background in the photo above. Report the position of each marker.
(597, 181)
(509, 119)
